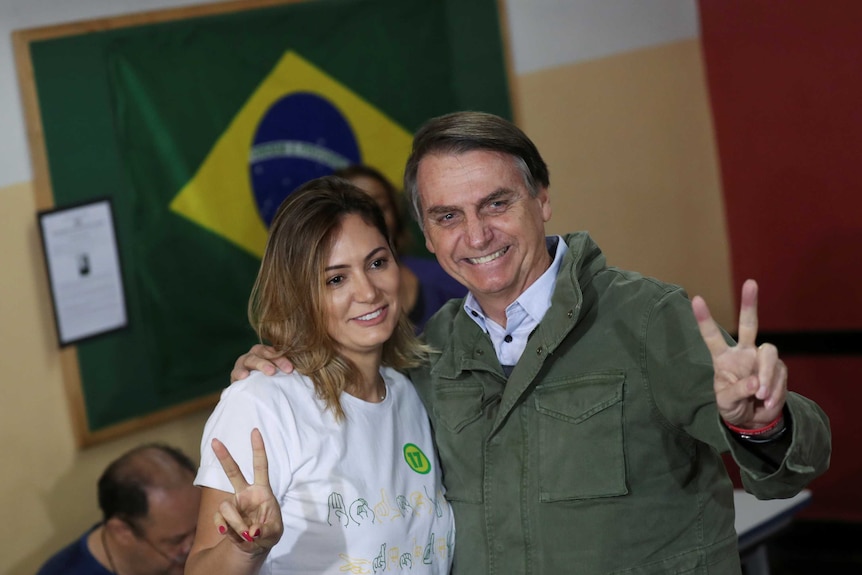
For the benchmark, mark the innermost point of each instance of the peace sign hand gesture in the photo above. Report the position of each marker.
(750, 382)
(252, 518)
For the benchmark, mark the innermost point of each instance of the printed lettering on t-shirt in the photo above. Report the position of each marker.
(387, 507)
(390, 557)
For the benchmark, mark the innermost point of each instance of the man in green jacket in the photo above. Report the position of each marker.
(580, 410)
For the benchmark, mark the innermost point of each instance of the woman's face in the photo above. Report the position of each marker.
(361, 282)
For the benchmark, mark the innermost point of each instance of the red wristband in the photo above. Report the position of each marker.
(759, 431)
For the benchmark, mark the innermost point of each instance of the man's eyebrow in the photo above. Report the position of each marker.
(493, 196)
(496, 195)
(442, 209)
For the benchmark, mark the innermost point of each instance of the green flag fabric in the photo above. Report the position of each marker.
(214, 121)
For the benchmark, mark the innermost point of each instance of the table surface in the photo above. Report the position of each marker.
(757, 520)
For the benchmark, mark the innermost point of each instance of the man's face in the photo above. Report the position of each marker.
(482, 224)
(164, 537)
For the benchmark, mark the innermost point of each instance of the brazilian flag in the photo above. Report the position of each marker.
(198, 128)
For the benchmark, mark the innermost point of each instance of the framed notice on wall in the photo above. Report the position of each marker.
(83, 263)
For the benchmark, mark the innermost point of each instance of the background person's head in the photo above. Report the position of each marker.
(459, 132)
(290, 307)
(383, 191)
(150, 509)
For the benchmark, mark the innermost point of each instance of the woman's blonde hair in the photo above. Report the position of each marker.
(286, 307)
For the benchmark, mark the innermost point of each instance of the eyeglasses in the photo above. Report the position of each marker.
(179, 551)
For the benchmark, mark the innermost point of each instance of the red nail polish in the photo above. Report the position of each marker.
(246, 536)
(222, 529)
(257, 534)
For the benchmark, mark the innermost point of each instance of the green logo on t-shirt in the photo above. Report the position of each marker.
(416, 459)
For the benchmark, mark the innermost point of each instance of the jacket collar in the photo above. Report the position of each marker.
(464, 346)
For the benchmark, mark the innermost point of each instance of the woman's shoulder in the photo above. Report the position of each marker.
(266, 400)
(291, 386)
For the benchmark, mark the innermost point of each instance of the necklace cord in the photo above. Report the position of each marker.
(107, 550)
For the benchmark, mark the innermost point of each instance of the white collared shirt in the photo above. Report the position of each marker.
(523, 314)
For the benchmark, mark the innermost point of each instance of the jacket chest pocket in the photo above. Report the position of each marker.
(581, 447)
(460, 427)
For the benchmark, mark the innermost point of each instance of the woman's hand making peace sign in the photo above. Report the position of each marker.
(252, 517)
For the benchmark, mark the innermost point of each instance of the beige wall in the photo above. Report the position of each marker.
(48, 489)
(629, 142)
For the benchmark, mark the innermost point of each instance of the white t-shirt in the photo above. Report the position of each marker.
(360, 496)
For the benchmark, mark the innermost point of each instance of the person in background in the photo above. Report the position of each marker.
(425, 287)
(343, 469)
(149, 515)
(580, 410)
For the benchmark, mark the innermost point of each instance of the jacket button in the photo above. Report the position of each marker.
(570, 314)
(479, 352)
(538, 351)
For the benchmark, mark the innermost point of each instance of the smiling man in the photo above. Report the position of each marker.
(575, 406)
(580, 410)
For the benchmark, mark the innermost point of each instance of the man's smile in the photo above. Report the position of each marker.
(489, 257)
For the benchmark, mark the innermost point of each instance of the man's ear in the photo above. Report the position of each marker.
(545, 202)
(120, 530)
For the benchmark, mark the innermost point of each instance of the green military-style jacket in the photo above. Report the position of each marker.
(601, 452)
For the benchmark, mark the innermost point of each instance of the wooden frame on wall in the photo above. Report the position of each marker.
(80, 132)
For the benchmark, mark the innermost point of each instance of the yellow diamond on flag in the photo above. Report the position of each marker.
(220, 197)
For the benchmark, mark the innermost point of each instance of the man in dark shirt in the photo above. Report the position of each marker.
(150, 511)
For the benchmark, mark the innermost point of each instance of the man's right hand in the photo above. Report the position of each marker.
(262, 358)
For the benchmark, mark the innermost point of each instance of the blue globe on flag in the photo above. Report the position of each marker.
(302, 136)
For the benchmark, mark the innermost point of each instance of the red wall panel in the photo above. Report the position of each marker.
(785, 83)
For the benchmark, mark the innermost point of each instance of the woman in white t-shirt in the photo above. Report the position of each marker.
(348, 480)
